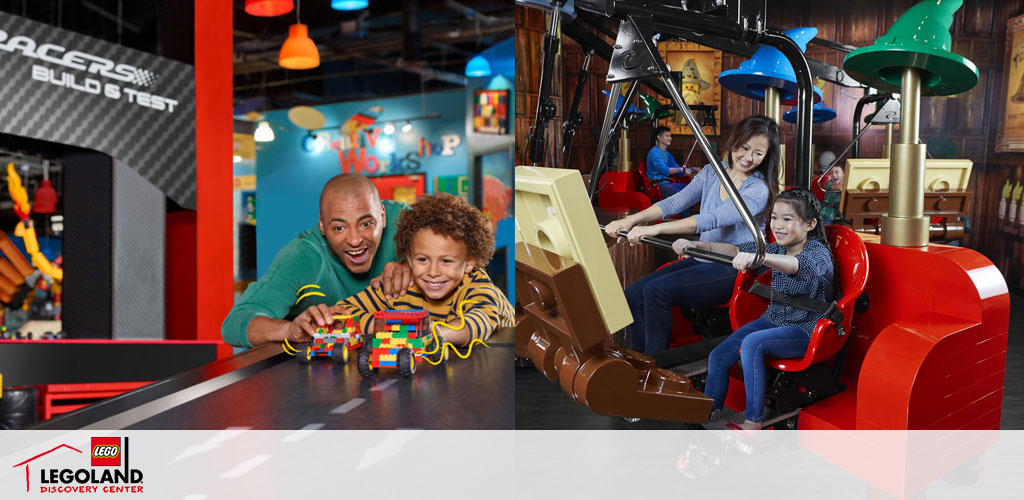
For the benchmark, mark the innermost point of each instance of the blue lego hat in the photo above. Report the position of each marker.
(822, 113)
(618, 105)
(769, 68)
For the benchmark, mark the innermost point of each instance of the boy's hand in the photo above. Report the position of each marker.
(394, 280)
(742, 261)
(302, 328)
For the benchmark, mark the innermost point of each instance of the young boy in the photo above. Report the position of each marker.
(447, 243)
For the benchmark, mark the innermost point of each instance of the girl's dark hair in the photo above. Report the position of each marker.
(760, 125)
(807, 207)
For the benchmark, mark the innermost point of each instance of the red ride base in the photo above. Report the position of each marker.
(930, 352)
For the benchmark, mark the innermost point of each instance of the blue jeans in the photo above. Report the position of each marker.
(670, 188)
(753, 342)
(686, 283)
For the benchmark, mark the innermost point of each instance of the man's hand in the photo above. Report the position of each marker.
(742, 260)
(302, 328)
(394, 280)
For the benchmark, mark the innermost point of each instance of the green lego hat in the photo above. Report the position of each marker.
(919, 39)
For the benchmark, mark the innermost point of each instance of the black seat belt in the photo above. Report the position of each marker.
(829, 309)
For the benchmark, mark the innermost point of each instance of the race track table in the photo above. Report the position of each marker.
(264, 388)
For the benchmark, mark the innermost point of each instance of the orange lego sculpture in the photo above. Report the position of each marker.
(567, 342)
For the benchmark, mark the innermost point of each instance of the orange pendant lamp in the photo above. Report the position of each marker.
(298, 51)
(268, 8)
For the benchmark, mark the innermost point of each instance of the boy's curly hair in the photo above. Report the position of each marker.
(447, 215)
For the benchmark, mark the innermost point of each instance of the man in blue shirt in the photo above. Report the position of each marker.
(661, 164)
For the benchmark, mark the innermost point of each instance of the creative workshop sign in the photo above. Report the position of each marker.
(363, 146)
(349, 137)
(68, 88)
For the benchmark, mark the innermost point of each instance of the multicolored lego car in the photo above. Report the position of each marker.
(334, 342)
(399, 338)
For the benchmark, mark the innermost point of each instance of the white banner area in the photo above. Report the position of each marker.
(486, 465)
(786, 465)
(252, 464)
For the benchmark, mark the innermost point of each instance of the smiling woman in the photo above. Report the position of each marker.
(753, 157)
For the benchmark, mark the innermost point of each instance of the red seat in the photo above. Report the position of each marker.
(620, 191)
(652, 190)
(851, 262)
(816, 188)
(683, 332)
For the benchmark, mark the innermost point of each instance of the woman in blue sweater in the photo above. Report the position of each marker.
(753, 158)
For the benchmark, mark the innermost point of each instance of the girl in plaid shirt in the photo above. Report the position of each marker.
(801, 265)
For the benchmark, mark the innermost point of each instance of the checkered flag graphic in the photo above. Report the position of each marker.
(144, 78)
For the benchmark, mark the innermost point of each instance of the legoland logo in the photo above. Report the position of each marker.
(105, 452)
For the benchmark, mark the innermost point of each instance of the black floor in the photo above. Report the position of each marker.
(542, 405)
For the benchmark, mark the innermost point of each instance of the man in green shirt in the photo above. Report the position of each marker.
(352, 244)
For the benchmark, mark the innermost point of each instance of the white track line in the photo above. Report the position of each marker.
(349, 406)
(384, 385)
(245, 466)
(301, 433)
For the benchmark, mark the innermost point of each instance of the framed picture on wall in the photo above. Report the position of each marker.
(1010, 138)
(695, 69)
(490, 111)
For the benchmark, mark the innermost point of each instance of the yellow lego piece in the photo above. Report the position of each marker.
(872, 174)
(553, 212)
(395, 328)
(388, 357)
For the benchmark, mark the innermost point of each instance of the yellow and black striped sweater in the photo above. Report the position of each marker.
(491, 310)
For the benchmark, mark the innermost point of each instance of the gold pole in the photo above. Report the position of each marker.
(624, 164)
(773, 110)
(905, 225)
(887, 147)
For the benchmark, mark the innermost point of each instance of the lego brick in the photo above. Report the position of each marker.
(969, 394)
(992, 346)
(553, 212)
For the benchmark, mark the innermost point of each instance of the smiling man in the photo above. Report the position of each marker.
(351, 244)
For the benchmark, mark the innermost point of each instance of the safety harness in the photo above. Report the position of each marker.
(829, 309)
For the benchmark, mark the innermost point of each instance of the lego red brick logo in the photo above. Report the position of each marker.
(106, 451)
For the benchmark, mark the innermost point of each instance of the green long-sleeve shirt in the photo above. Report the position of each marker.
(306, 260)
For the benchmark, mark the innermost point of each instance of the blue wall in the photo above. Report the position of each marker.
(289, 178)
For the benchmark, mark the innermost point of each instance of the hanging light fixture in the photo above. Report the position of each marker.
(268, 8)
(389, 128)
(263, 132)
(478, 66)
(298, 51)
(349, 4)
(407, 127)
(46, 197)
